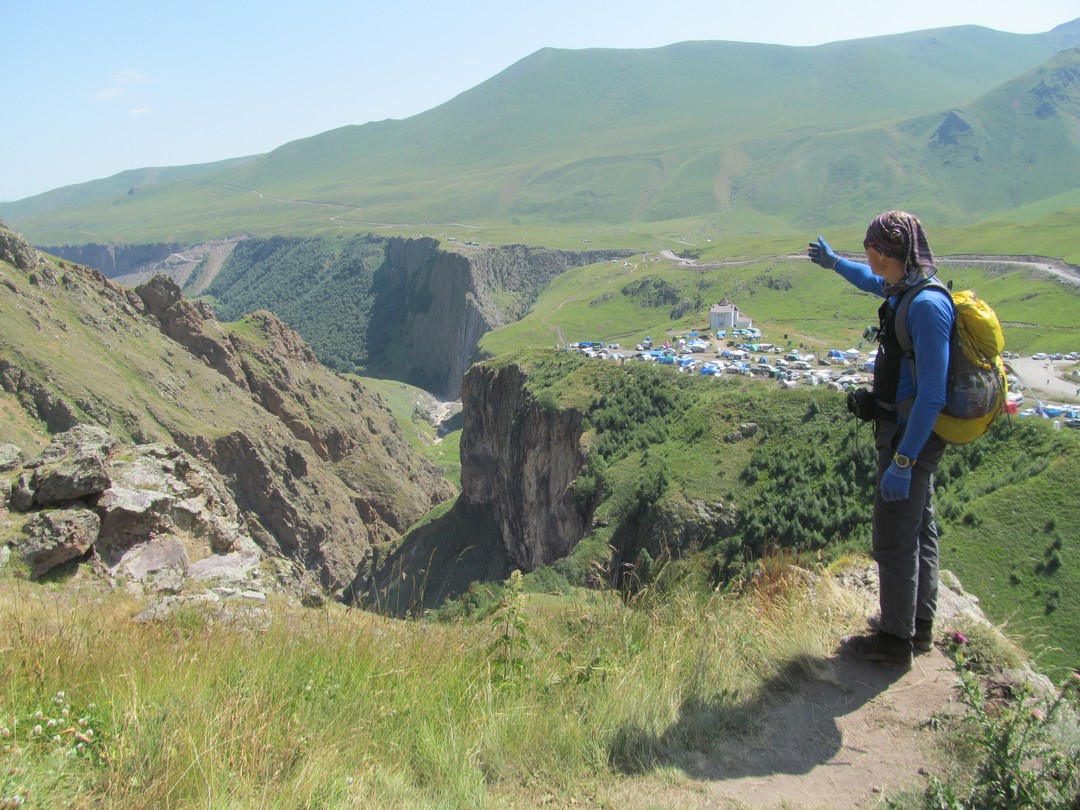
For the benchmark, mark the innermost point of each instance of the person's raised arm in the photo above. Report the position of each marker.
(855, 273)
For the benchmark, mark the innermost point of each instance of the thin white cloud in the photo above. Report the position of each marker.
(139, 111)
(120, 83)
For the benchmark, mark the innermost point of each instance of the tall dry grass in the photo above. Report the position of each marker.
(342, 708)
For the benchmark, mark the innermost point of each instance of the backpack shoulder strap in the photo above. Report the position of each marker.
(903, 336)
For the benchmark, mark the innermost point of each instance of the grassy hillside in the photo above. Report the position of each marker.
(1011, 509)
(126, 183)
(784, 295)
(683, 489)
(413, 408)
(345, 708)
(756, 135)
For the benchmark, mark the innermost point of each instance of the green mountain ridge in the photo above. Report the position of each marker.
(730, 130)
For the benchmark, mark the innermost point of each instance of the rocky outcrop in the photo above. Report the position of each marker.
(15, 250)
(522, 459)
(190, 324)
(282, 373)
(56, 536)
(312, 466)
(147, 512)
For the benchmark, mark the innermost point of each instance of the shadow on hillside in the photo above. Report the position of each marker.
(438, 561)
(788, 727)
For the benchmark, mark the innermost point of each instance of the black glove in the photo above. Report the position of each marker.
(822, 254)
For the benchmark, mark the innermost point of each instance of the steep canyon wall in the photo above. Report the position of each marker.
(521, 459)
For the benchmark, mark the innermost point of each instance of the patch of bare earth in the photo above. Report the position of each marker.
(849, 741)
(852, 739)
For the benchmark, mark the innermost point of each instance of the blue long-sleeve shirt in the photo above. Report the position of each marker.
(929, 322)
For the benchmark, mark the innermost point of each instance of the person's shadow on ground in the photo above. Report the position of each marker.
(788, 727)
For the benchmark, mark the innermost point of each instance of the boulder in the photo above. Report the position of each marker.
(56, 536)
(22, 496)
(159, 566)
(73, 466)
(10, 457)
(130, 517)
(237, 567)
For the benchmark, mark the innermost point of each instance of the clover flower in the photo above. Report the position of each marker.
(37, 730)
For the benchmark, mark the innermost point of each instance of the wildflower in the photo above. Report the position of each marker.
(56, 738)
(60, 695)
(83, 721)
(89, 732)
(51, 723)
(66, 711)
(38, 714)
(37, 730)
(1037, 715)
(956, 637)
(348, 780)
(5, 732)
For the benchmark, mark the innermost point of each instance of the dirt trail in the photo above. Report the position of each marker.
(856, 738)
(849, 741)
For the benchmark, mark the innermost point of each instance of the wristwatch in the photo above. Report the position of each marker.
(903, 462)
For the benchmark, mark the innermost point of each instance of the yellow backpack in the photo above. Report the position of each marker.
(976, 386)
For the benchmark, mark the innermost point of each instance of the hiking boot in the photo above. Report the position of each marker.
(879, 647)
(921, 642)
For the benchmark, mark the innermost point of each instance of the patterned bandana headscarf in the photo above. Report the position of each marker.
(900, 235)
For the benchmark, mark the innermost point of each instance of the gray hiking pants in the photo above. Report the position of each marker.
(905, 537)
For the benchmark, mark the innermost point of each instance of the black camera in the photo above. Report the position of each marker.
(862, 403)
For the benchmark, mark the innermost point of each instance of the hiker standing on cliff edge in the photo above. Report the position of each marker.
(907, 396)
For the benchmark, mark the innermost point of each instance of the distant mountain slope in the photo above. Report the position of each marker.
(1013, 146)
(126, 182)
(606, 136)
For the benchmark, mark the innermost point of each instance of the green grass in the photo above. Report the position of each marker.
(785, 295)
(409, 406)
(345, 708)
(1011, 538)
(670, 475)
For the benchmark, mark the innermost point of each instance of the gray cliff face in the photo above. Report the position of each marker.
(440, 323)
(115, 259)
(421, 322)
(522, 460)
(447, 301)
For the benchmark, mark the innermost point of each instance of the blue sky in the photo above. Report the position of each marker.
(92, 89)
